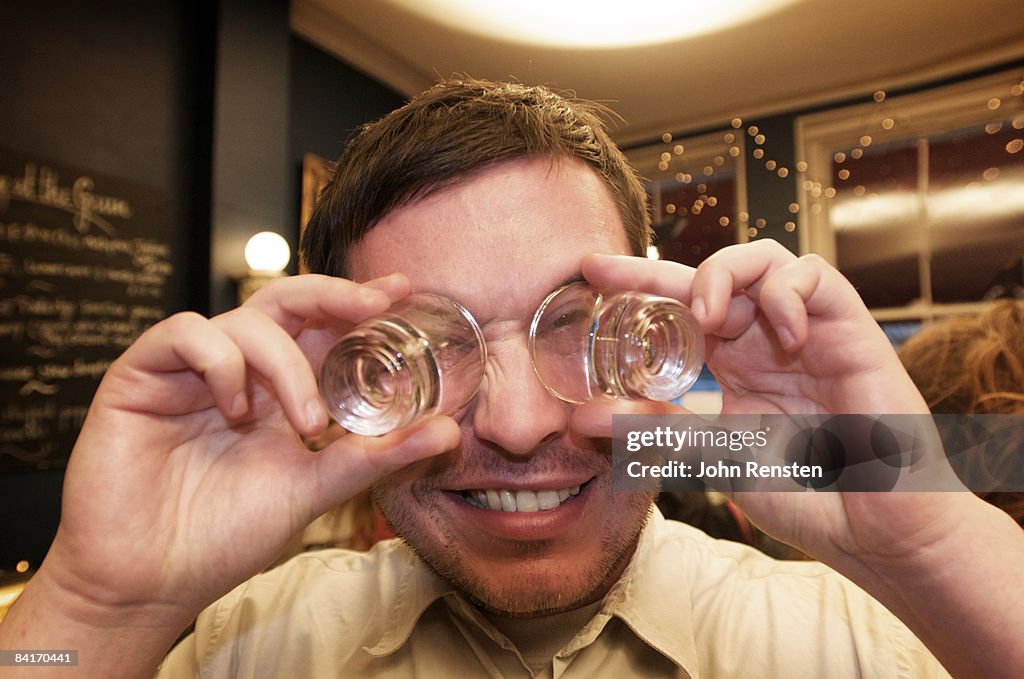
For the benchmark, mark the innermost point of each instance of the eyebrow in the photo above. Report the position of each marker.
(573, 278)
(576, 277)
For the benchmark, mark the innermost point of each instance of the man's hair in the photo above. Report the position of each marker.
(449, 132)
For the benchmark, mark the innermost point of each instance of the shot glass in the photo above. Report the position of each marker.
(424, 356)
(584, 343)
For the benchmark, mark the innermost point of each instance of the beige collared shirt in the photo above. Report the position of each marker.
(687, 606)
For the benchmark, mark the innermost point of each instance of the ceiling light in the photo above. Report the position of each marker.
(585, 23)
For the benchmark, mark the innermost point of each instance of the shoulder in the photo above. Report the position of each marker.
(732, 580)
(277, 618)
(333, 583)
(316, 574)
(802, 614)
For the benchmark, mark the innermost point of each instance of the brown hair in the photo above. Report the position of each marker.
(447, 133)
(971, 364)
(975, 365)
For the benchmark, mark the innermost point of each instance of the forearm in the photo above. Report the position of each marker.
(122, 643)
(963, 596)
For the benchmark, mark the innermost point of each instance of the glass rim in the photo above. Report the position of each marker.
(532, 338)
(473, 324)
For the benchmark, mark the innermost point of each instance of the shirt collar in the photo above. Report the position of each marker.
(651, 597)
(417, 587)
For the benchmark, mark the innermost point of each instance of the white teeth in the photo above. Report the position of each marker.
(526, 501)
(504, 500)
(547, 499)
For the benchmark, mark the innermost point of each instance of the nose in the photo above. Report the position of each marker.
(513, 410)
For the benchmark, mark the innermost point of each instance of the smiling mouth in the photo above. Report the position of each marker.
(503, 500)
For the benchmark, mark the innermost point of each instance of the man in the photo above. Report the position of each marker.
(189, 474)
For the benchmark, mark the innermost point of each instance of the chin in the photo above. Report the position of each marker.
(521, 578)
(532, 587)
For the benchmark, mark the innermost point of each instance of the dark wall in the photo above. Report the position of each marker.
(250, 136)
(770, 196)
(117, 88)
(328, 101)
(179, 96)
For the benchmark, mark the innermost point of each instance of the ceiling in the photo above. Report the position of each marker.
(806, 53)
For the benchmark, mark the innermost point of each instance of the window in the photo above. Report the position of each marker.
(919, 200)
(697, 195)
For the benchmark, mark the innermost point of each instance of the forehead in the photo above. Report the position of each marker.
(517, 228)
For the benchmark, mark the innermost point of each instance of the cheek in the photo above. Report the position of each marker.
(395, 502)
(406, 496)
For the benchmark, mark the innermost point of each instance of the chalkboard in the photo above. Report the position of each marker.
(85, 261)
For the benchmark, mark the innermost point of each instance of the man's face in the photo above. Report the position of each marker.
(498, 243)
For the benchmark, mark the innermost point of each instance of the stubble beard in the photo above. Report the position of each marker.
(536, 586)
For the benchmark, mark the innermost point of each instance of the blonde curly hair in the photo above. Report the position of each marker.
(975, 364)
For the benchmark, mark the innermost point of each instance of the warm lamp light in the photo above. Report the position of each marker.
(267, 252)
(584, 23)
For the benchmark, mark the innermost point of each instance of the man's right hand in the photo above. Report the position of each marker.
(190, 473)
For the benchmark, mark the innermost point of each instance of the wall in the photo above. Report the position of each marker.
(114, 87)
(328, 101)
(250, 136)
(193, 99)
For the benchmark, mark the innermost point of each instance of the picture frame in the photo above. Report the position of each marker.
(316, 173)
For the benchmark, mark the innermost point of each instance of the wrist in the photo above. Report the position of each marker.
(949, 567)
(120, 640)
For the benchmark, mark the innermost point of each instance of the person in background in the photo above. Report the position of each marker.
(975, 364)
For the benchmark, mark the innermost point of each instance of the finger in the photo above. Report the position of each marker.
(352, 462)
(593, 419)
(741, 314)
(805, 287)
(316, 338)
(395, 285)
(187, 341)
(291, 302)
(657, 277)
(273, 354)
(731, 270)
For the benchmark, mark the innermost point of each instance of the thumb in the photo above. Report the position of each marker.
(593, 419)
(353, 462)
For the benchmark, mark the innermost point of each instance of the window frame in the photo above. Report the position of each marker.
(698, 149)
(920, 115)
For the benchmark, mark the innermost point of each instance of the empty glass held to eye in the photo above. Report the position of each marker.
(424, 356)
(626, 345)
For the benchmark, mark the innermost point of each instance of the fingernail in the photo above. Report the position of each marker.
(786, 337)
(239, 405)
(698, 308)
(372, 296)
(428, 436)
(315, 415)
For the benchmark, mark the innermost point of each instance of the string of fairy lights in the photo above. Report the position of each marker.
(880, 128)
